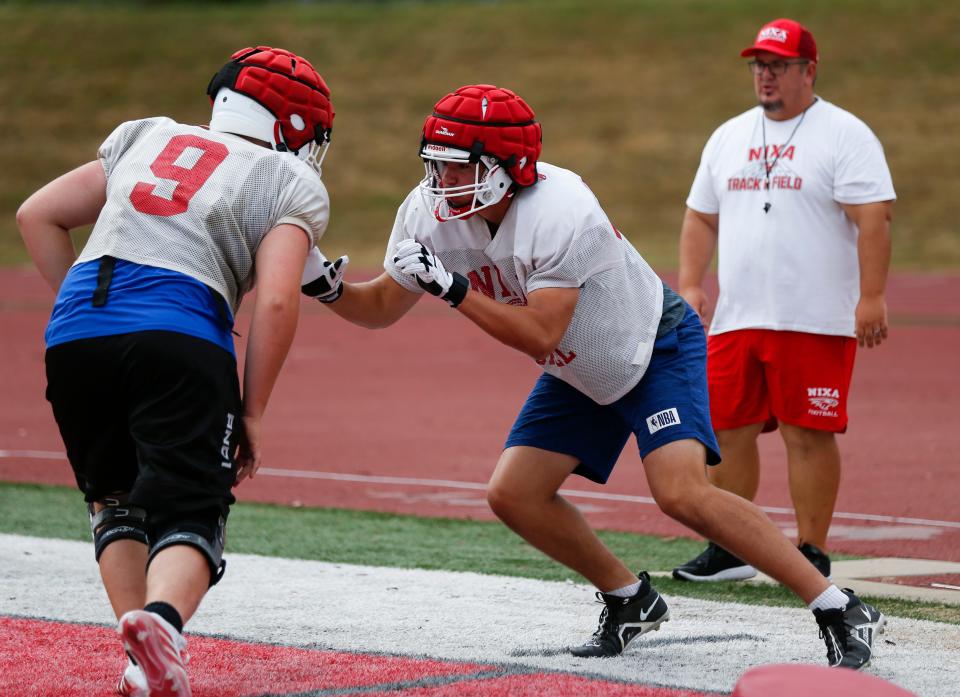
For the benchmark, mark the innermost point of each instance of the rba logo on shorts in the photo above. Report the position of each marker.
(824, 401)
(225, 461)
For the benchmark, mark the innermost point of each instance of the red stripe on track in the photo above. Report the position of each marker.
(74, 660)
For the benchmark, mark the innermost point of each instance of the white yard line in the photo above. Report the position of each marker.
(472, 617)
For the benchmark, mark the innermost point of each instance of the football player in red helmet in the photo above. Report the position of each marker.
(141, 367)
(523, 249)
(276, 97)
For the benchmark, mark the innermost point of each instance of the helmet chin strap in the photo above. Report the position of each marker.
(278, 143)
(454, 213)
(311, 153)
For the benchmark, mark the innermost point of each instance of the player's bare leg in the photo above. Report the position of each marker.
(813, 461)
(180, 576)
(523, 494)
(676, 476)
(123, 568)
(739, 472)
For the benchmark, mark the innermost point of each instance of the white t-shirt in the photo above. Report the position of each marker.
(554, 235)
(199, 202)
(795, 267)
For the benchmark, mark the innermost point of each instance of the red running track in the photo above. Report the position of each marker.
(367, 414)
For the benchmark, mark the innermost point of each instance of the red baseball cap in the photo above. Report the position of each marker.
(785, 37)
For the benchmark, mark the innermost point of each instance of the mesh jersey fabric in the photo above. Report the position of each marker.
(199, 202)
(554, 235)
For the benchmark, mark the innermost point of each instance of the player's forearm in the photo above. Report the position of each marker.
(271, 334)
(373, 304)
(522, 328)
(50, 248)
(46, 218)
(698, 243)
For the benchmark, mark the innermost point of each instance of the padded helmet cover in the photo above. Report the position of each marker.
(488, 120)
(287, 86)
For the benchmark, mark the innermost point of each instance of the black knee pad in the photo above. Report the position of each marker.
(204, 530)
(116, 521)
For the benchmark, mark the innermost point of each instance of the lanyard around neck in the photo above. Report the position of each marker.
(767, 168)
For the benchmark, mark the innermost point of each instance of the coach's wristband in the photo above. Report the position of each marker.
(458, 290)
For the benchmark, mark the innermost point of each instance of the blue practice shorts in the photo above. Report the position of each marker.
(670, 403)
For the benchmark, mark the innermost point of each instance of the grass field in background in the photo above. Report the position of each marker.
(627, 90)
(381, 539)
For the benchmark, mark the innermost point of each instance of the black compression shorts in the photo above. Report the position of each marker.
(152, 413)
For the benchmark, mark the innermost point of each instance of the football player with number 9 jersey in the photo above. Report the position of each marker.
(141, 370)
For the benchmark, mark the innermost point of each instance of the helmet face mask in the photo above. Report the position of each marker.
(274, 96)
(313, 153)
(491, 183)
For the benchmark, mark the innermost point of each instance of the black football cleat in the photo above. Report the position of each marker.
(624, 619)
(849, 633)
(714, 564)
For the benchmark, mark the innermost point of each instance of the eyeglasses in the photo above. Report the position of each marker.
(777, 68)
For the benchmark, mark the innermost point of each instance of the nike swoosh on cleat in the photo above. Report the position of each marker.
(645, 614)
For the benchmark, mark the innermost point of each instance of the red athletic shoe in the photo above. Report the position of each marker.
(132, 683)
(159, 651)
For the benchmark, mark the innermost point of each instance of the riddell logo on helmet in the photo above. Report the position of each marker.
(435, 148)
(773, 34)
(444, 131)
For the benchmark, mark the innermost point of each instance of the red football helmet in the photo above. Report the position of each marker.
(483, 125)
(275, 96)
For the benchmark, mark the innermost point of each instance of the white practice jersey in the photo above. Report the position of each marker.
(199, 202)
(795, 267)
(554, 235)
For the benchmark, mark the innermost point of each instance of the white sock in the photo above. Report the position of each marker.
(626, 591)
(831, 599)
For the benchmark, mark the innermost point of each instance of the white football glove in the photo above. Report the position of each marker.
(323, 279)
(414, 259)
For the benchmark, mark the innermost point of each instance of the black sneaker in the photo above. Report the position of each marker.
(714, 564)
(624, 619)
(849, 633)
(817, 557)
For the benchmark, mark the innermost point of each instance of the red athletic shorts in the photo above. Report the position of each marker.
(762, 375)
